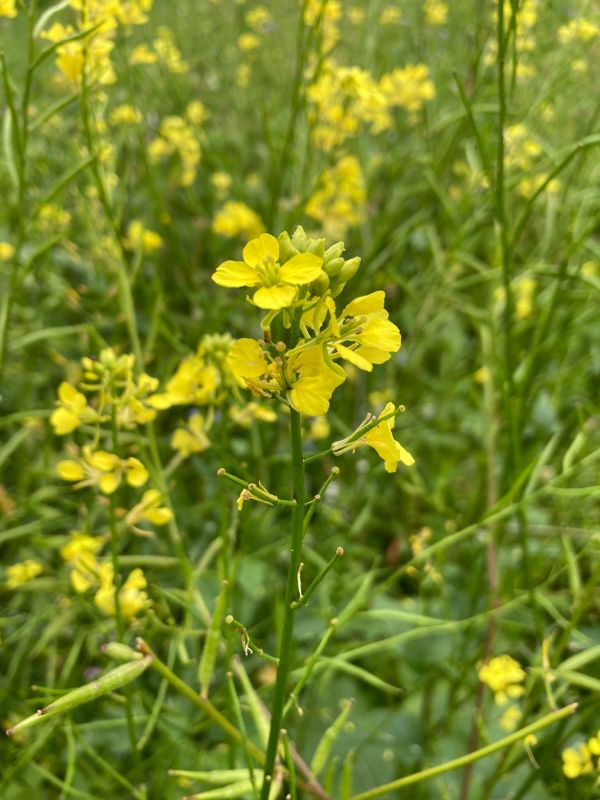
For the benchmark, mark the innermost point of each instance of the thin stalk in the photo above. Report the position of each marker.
(463, 761)
(285, 646)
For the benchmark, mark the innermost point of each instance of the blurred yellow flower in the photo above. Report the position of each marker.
(8, 8)
(132, 598)
(22, 572)
(6, 251)
(192, 438)
(504, 677)
(237, 219)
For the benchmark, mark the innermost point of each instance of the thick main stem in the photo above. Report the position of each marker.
(285, 645)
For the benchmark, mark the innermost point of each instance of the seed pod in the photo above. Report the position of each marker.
(239, 789)
(120, 652)
(213, 637)
(84, 694)
(286, 247)
(328, 739)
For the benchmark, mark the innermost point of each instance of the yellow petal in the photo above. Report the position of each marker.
(70, 470)
(311, 396)
(109, 483)
(104, 461)
(64, 421)
(367, 304)
(235, 274)
(136, 472)
(275, 297)
(256, 251)
(302, 268)
(354, 358)
(160, 401)
(159, 516)
(246, 359)
(381, 334)
(69, 395)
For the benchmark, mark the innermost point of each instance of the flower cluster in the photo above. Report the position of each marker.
(91, 52)
(299, 278)
(504, 676)
(340, 198)
(180, 136)
(579, 760)
(237, 219)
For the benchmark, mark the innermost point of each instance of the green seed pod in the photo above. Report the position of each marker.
(286, 247)
(240, 789)
(333, 252)
(323, 750)
(120, 652)
(84, 694)
(319, 286)
(333, 267)
(349, 269)
(206, 667)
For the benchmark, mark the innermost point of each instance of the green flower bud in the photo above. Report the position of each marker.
(319, 286)
(316, 246)
(349, 269)
(334, 252)
(333, 267)
(300, 239)
(286, 247)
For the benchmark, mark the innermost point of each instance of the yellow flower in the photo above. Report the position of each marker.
(80, 552)
(196, 112)
(510, 718)
(390, 16)
(142, 55)
(221, 182)
(365, 325)
(192, 438)
(194, 383)
(380, 438)
(132, 598)
(8, 8)
(237, 219)
(72, 410)
(125, 115)
(248, 41)
(504, 676)
(6, 251)
(244, 416)
(141, 238)
(436, 12)
(259, 18)
(246, 360)
(260, 267)
(23, 572)
(102, 469)
(408, 87)
(149, 509)
(312, 382)
(168, 52)
(577, 761)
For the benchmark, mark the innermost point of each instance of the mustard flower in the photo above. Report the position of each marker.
(6, 251)
(504, 676)
(132, 597)
(192, 438)
(312, 381)
(149, 509)
(125, 115)
(22, 572)
(364, 334)
(237, 219)
(141, 238)
(102, 469)
(577, 761)
(142, 54)
(195, 383)
(8, 8)
(80, 553)
(73, 410)
(380, 438)
(260, 267)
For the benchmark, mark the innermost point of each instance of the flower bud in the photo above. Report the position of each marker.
(349, 269)
(319, 286)
(300, 239)
(316, 246)
(286, 247)
(333, 252)
(334, 266)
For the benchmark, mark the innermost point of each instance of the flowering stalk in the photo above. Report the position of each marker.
(285, 646)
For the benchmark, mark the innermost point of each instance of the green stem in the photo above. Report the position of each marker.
(463, 761)
(285, 646)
